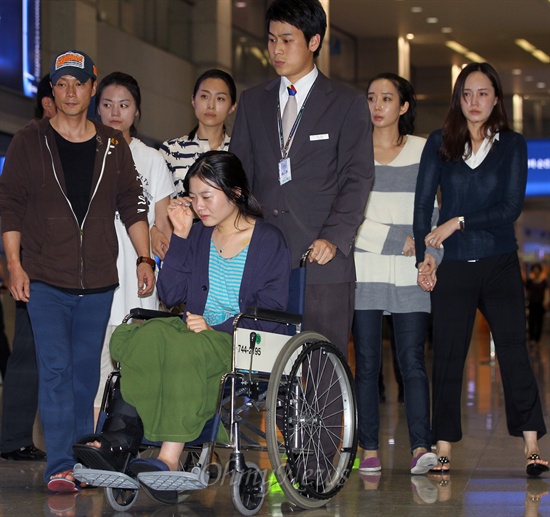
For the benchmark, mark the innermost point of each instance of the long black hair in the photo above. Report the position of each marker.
(456, 136)
(406, 93)
(121, 79)
(224, 171)
(214, 73)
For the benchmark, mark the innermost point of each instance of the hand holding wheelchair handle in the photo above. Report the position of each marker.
(321, 251)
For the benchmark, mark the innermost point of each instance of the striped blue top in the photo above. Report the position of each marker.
(224, 276)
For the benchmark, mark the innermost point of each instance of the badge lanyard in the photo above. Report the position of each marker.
(285, 147)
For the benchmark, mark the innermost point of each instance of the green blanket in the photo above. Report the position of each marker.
(171, 375)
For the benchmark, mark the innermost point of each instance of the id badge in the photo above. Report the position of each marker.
(284, 171)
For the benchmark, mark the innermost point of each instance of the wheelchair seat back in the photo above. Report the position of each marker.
(256, 351)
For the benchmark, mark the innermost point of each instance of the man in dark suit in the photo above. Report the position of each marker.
(314, 177)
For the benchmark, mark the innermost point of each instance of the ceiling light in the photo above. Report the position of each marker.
(517, 71)
(416, 9)
(472, 56)
(541, 56)
(461, 49)
(528, 78)
(240, 4)
(541, 85)
(410, 36)
(534, 51)
(457, 47)
(433, 19)
(448, 30)
(525, 45)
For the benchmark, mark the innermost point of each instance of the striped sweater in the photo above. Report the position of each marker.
(386, 279)
(181, 153)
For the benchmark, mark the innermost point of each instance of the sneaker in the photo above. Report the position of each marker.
(370, 465)
(425, 490)
(371, 480)
(29, 453)
(423, 463)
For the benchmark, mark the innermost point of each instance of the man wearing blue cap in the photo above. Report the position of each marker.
(62, 180)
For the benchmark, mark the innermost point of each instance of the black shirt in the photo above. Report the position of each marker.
(78, 160)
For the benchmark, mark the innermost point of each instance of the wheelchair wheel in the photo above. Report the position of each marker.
(311, 420)
(248, 490)
(121, 499)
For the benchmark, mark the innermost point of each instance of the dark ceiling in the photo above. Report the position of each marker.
(486, 27)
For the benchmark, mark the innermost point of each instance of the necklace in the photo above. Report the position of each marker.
(221, 249)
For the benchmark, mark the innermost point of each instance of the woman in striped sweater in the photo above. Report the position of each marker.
(386, 275)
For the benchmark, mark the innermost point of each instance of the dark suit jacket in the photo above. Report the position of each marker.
(332, 174)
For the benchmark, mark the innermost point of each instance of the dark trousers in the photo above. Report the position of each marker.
(493, 285)
(20, 390)
(69, 330)
(536, 317)
(4, 345)
(410, 331)
(329, 311)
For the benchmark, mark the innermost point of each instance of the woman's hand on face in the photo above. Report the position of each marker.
(196, 323)
(436, 237)
(409, 249)
(181, 216)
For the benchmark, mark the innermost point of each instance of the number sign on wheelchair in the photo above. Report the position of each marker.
(264, 351)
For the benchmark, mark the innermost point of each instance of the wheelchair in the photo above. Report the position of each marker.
(304, 390)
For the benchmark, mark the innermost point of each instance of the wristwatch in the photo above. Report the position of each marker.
(461, 222)
(147, 260)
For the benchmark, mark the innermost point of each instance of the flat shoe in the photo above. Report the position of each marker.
(370, 465)
(140, 465)
(63, 484)
(444, 460)
(535, 469)
(29, 453)
(423, 463)
(61, 503)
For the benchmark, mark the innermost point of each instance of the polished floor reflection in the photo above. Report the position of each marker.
(487, 479)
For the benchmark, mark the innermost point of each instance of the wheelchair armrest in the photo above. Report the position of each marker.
(147, 314)
(284, 317)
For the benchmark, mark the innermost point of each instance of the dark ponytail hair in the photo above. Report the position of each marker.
(121, 79)
(456, 136)
(406, 93)
(214, 73)
(224, 171)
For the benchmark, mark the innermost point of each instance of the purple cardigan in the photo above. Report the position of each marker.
(266, 276)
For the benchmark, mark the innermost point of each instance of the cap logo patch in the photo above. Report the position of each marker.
(69, 59)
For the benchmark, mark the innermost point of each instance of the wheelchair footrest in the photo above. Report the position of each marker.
(104, 478)
(180, 481)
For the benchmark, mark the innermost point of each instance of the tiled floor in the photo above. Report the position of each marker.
(488, 476)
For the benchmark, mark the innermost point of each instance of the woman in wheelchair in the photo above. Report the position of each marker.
(171, 367)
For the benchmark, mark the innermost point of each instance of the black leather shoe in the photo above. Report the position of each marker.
(29, 453)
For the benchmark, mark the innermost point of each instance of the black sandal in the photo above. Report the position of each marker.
(535, 469)
(444, 460)
(119, 439)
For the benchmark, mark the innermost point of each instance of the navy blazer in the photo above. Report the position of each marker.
(266, 276)
(332, 165)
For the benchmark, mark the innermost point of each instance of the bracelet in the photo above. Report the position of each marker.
(147, 260)
(461, 222)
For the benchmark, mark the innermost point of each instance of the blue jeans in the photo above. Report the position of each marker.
(68, 332)
(410, 335)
